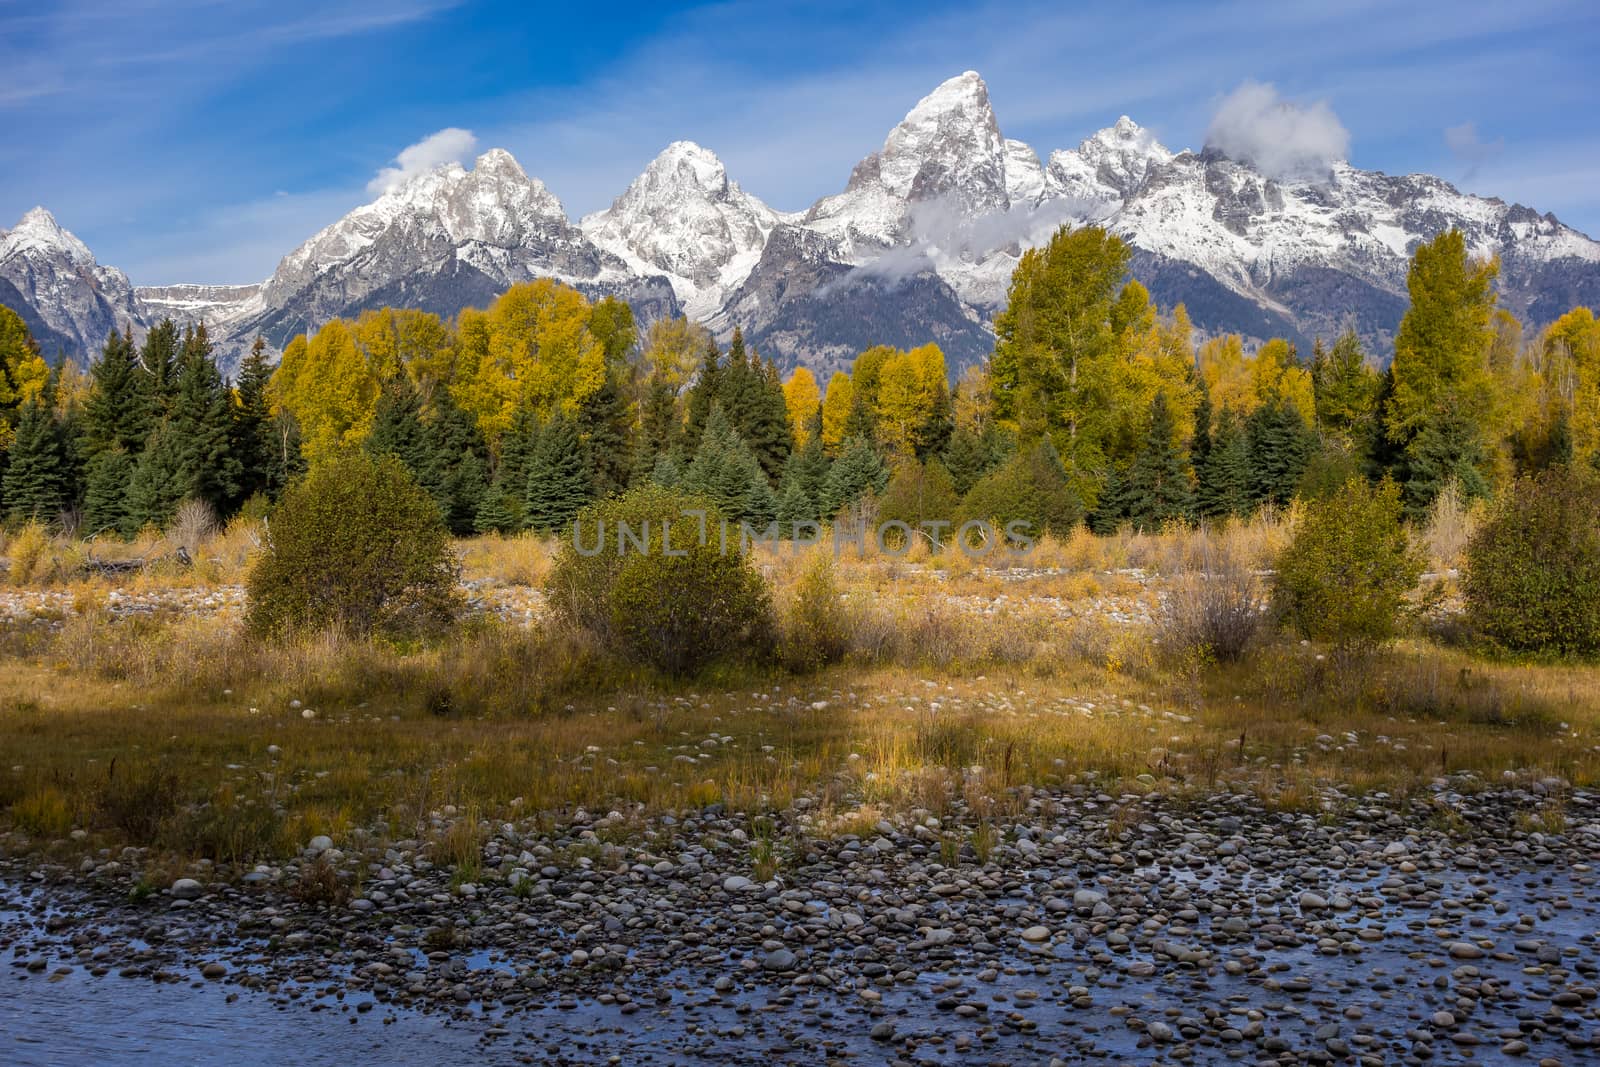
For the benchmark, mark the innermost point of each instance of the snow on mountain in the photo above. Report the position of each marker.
(443, 240)
(920, 244)
(683, 218)
(69, 301)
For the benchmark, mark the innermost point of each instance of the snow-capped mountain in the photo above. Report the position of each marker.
(441, 241)
(683, 218)
(919, 245)
(50, 278)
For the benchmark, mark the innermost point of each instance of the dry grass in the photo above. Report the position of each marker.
(959, 681)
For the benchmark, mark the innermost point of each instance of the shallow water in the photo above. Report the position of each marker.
(1397, 983)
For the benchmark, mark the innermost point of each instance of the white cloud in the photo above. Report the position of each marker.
(1283, 139)
(449, 145)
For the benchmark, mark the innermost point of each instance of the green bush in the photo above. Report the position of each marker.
(1532, 578)
(356, 545)
(1345, 576)
(677, 611)
(1030, 487)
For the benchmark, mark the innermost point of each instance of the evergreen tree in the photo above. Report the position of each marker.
(1346, 389)
(1280, 445)
(767, 429)
(397, 429)
(658, 427)
(559, 482)
(702, 395)
(202, 425)
(724, 468)
(604, 423)
(1448, 448)
(807, 470)
(105, 494)
(35, 484)
(252, 428)
(158, 360)
(504, 501)
(157, 485)
(1158, 490)
(1111, 510)
(858, 472)
(114, 411)
(455, 471)
(668, 474)
(919, 493)
(794, 507)
(1224, 489)
(862, 422)
(969, 456)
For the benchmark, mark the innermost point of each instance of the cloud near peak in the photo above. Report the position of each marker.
(1283, 139)
(449, 145)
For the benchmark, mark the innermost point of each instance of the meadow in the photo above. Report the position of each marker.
(136, 711)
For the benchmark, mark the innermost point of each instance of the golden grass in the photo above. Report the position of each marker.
(961, 682)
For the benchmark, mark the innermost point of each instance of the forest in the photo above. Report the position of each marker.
(1096, 408)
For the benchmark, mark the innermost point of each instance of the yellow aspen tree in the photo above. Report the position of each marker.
(801, 399)
(836, 406)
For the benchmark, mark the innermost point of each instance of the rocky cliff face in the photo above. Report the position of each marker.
(49, 277)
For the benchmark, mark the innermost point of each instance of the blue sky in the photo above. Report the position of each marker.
(201, 140)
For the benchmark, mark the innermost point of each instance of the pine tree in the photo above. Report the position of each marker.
(658, 428)
(504, 505)
(252, 422)
(397, 428)
(158, 360)
(157, 485)
(455, 468)
(794, 507)
(114, 414)
(559, 482)
(604, 423)
(35, 485)
(702, 395)
(807, 469)
(202, 424)
(724, 468)
(105, 494)
(1224, 489)
(1346, 389)
(767, 430)
(858, 472)
(969, 456)
(1447, 449)
(1281, 445)
(1157, 490)
(1111, 510)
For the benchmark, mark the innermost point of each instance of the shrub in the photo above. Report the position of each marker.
(193, 524)
(1031, 488)
(1216, 610)
(815, 631)
(355, 545)
(676, 611)
(1345, 575)
(30, 553)
(1533, 566)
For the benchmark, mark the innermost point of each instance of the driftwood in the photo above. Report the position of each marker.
(108, 567)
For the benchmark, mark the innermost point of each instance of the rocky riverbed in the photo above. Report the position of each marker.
(1459, 925)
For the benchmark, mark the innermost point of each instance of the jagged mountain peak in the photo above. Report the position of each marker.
(684, 218)
(38, 233)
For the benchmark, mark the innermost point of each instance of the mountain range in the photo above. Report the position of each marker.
(919, 246)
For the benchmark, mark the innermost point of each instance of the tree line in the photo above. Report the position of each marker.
(1096, 407)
